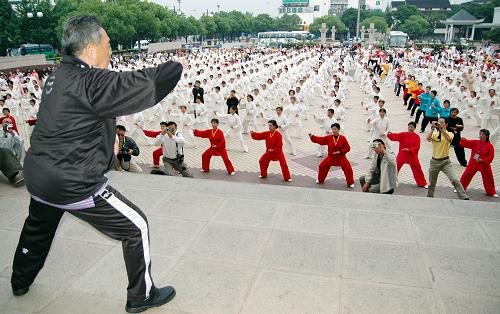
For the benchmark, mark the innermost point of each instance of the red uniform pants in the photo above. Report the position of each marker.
(207, 155)
(157, 153)
(267, 158)
(344, 164)
(486, 173)
(415, 166)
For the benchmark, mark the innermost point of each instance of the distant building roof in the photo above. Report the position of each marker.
(462, 15)
(436, 4)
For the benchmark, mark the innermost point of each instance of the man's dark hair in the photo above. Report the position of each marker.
(434, 92)
(331, 110)
(121, 128)
(274, 123)
(454, 109)
(214, 120)
(377, 140)
(412, 123)
(382, 110)
(251, 97)
(6, 109)
(169, 123)
(337, 125)
(164, 124)
(78, 31)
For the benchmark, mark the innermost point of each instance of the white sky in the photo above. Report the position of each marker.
(196, 7)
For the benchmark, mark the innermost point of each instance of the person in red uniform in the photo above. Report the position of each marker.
(157, 153)
(409, 145)
(482, 154)
(274, 150)
(217, 147)
(338, 147)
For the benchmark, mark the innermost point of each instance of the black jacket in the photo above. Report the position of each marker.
(198, 92)
(129, 143)
(72, 143)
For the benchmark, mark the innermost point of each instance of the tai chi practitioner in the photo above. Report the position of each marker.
(217, 147)
(235, 127)
(482, 154)
(274, 150)
(338, 147)
(409, 146)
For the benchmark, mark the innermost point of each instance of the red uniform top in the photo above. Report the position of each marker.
(14, 125)
(274, 142)
(216, 139)
(339, 144)
(417, 93)
(406, 140)
(152, 134)
(486, 150)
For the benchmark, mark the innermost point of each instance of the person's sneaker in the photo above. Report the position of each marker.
(317, 181)
(201, 170)
(160, 297)
(495, 195)
(261, 177)
(454, 191)
(18, 179)
(289, 180)
(426, 186)
(21, 291)
(232, 173)
(351, 186)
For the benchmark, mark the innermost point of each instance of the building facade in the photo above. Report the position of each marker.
(309, 10)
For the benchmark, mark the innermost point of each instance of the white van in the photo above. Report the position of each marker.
(144, 45)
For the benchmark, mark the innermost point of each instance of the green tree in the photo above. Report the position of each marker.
(9, 31)
(330, 21)
(36, 30)
(263, 23)
(288, 22)
(404, 12)
(416, 26)
(186, 27)
(493, 35)
(209, 25)
(223, 26)
(380, 23)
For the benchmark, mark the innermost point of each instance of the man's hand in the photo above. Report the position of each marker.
(170, 134)
(336, 153)
(405, 149)
(130, 152)
(479, 160)
(366, 186)
(214, 146)
(270, 150)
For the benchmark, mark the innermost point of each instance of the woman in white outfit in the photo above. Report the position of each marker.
(325, 123)
(283, 127)
(235, 128)
(293, 113)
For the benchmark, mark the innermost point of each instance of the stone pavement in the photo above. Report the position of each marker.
(304, 166)
(252, 248)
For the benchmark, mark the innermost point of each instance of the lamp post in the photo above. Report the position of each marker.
(32, 15)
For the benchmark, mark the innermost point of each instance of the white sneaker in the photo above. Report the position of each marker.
(317, 181)
(351, 186)
(289, 180)
(245, 151)
(294, 154)
(232, 173)
(495, 195)
(260, 177)
(454, 191)
(426, 186)
(319, 156)
(201, 170)
(367, 157)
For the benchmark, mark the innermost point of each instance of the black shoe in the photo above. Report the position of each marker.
(21, 291)
(160, 297)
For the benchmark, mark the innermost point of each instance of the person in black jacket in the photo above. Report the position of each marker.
(72, 147)
(198, 92)
(126, 149)
(456, 126)
(232, 101)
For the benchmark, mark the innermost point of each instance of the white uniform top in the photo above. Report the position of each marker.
(326, 123)
(170, 146)
(292, 113)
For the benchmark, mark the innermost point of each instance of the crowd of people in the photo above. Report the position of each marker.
(229, 95)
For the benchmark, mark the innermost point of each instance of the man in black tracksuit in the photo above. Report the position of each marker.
(71, 150)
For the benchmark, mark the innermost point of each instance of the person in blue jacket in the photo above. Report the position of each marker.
(432, 112)
(445, 110)
(425, 100)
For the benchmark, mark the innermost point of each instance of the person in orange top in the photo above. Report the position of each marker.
(409, 145)
(274, 150)
(338, 147)
(412, 88)
(482, 154)
(416, 103)
(217, 147)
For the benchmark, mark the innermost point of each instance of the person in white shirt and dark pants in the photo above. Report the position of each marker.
(173, 149)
